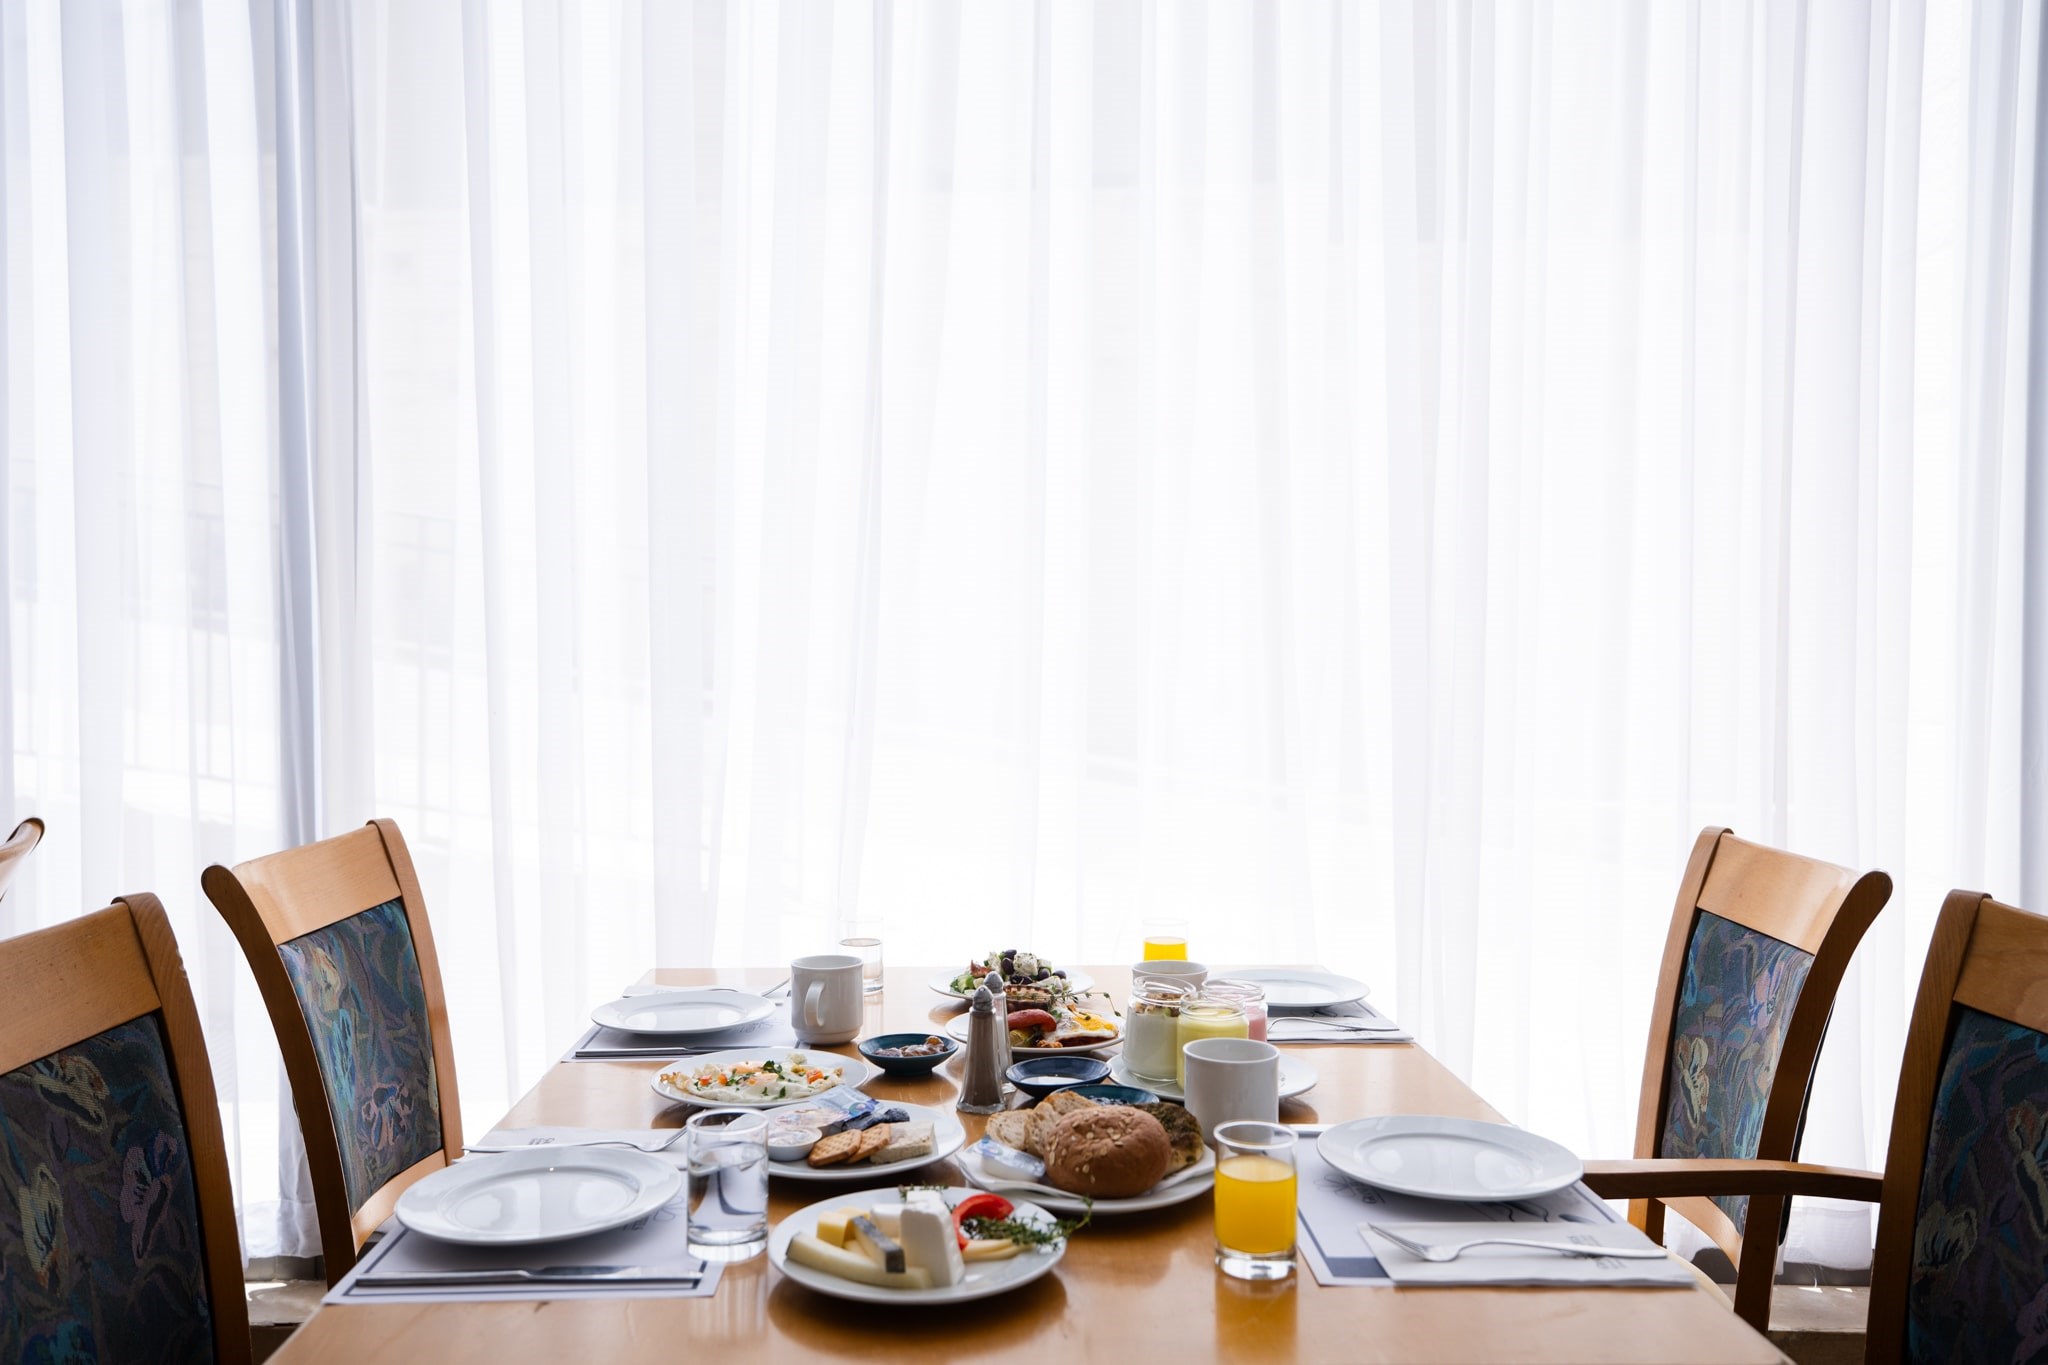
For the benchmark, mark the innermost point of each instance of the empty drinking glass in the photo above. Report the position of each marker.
(864, 940)
(728, 1157)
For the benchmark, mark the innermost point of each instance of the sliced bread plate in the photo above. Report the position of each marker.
(1292, 988)
(948, 1137)
(682, 1013)
(1449, 1158)
(792, 1082)
(984, 1278)
(943, 984)
(1190, 1182)
(1296, 1078)
(540, 1194)
(958, 1027)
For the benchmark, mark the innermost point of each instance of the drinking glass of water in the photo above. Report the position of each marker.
(864, 941)
(728, 1156)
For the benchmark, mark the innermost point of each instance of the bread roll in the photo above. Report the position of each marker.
(1106, 1153)
(1183, 1133)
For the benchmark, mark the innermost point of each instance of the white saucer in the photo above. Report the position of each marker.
(1291, 988)
(854, 1071)
(681, 1013)
(943, 984)
(1449, 1158)
(1296, 1078)
(541, 1194)
(948, 1137)
(1191, 1182)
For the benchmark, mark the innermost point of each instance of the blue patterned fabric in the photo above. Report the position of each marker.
(1734, 1006)
(358, 983)
(100, 1253)
(1979, 1287)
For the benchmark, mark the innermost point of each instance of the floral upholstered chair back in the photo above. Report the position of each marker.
(359, 985)
(1735, 1003)
(101, 1256)
(1978, 1287)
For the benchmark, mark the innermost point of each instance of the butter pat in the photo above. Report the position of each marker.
(1008, 1161)
(931, 1246)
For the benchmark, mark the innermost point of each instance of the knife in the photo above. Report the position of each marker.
(551, 1274)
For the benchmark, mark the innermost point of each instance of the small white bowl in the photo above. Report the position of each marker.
(792, 1144)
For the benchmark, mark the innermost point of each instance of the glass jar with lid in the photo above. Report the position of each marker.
(1247, 995)
(1205, 1017)
(1152, 1028)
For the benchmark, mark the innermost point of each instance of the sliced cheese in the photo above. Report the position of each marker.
(832, 1225)
(907, 1142)
(878, 1246)
(932, 1246)
(991, 1249)
(807, 1250)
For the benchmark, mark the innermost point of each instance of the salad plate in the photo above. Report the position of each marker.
(1449, 1158)
(538, 1194)
(983, 1278)
(682, 1013)
(758, 1077)
(1296, 1078)
(1025, 969)
(1190, 1182)
(948, 1137)
(1290, 988)
(958, 1027)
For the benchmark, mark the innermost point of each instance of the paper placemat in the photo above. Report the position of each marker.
(600, 1044)
(1332, 1206)
(1300, 1028)
(660, 1241)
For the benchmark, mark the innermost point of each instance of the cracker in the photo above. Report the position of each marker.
(835, 1148)
(873, 1139)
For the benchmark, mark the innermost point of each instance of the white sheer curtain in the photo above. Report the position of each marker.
(1370, 480)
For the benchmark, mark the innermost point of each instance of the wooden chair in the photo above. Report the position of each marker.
(15, 851)
(336, 934)
(1758, 944)
(117, 1223)
(1961, 1264)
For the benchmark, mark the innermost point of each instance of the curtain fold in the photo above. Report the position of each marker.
(1367, 481)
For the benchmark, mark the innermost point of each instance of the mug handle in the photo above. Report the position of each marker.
(813, 1017)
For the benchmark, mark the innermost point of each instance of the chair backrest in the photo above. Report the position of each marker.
(1961, 1267)
(15, 851)
(1757, 947)
(336, 935)
(117, 1223)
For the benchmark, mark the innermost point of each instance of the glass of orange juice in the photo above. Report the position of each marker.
(1166, 940)
(1255, 1193)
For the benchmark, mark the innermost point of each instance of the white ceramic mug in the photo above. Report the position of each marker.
(1189, 974)
(1231, 1079)
(825, 997)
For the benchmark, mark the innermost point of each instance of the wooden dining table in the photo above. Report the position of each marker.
(1135, 1287)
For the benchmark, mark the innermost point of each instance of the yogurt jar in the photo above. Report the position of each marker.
(1152, 1028)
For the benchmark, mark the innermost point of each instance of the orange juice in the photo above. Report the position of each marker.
(1166, 948)
(1255, 1205)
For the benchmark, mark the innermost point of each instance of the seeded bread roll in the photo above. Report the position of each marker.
(1183, 1133)
(1106, 1153)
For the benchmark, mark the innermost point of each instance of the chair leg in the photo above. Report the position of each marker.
(1758, 1270)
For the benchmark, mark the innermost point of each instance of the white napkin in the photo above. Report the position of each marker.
(1304, 1026)
(1518, 1265)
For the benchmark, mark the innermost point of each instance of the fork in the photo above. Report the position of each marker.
(1451, 1253)
(671, 1140)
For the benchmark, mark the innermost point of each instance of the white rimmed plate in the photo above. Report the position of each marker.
(943, 984)
(957, 1028)
(541, 1194)
(1296, 1078)
(948, 1137)
(1288, 988)
(853, 1071)
(1188, 1183)
(681, 1013)
(984, 1278)
(1449, 1158)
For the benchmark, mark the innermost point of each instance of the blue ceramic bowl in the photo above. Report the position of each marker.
(1116, 1094)
(906, 1066)
(1040, 1076)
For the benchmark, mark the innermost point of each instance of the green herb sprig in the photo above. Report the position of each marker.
(1024, 1232)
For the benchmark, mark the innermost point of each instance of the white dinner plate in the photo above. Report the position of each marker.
(1188, 1183)
(958, 1028)
(680, 1013)
(1296, 1078)
(984, 1278)
(1290, 988)
(853, 1071)
(943, 984)
(948, 1137)
(539, 1194)
(1448, 1158)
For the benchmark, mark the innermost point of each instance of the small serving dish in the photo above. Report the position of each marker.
(1041, 1076)
(884, 1050)
(1116, 1094)
(791, 1144)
